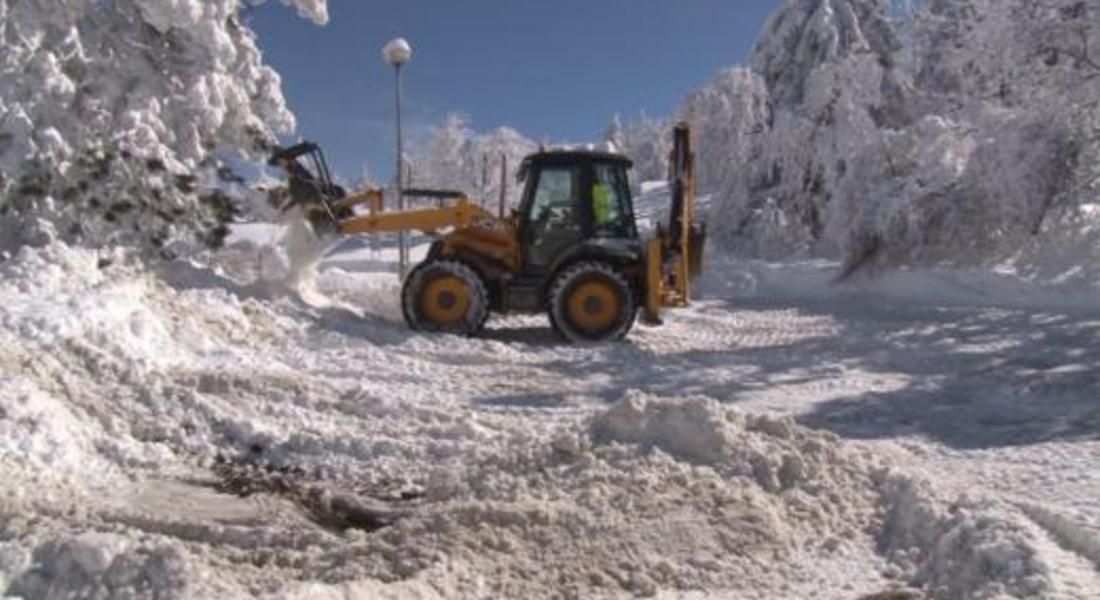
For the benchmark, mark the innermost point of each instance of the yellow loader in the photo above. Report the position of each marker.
(571, 249)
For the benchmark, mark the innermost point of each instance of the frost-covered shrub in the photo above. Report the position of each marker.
(112, 113)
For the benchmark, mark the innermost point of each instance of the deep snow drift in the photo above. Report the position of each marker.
(201, 434)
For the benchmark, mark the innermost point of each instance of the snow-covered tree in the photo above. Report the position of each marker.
(455, 157)
(113, 114)
(1013, 122)
(647, 141)
(501, 147)
(728, 117)
(775, 137)
(896, 133)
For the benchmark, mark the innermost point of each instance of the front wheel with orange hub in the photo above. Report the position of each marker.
(445, 296)
(592, 301)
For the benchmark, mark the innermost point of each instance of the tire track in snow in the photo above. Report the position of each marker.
(1070, 533)
(1068, 548)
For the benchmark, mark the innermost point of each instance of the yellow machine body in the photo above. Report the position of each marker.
(661, 274)
(674, 256)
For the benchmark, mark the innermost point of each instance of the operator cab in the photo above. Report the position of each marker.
(573, 201)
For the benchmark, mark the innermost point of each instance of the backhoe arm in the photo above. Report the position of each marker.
(674, 257)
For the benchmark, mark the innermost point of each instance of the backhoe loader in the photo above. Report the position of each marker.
(572, 248)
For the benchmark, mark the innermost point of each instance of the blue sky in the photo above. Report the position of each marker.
(553, 69)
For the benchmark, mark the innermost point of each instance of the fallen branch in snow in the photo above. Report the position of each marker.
(322, 505)
(346, 511)
(895, 595)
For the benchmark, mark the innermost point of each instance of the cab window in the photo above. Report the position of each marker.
(554, 204)
(612, 210)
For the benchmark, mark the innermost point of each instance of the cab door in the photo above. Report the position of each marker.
(553, 217)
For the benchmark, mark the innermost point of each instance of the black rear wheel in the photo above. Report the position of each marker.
(445, 296)
(592, 301)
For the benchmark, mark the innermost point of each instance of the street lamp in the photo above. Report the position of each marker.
(397, 53)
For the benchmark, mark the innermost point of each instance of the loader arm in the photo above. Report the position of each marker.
(461, 215)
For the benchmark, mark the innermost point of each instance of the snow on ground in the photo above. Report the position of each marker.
(209, 433)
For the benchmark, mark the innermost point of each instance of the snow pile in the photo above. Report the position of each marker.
(699, 432)
(115, 319)
(89, 338)
(136, 381)
(104, 565)
(43, 445)
(42, 437)
(681, 495)
(967, 550)
(656, 495)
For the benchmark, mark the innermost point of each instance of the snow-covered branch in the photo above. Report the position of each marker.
(110, 104)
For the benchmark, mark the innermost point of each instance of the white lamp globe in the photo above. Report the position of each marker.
(397, 52)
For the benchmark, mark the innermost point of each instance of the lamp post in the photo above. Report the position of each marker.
(397, 53)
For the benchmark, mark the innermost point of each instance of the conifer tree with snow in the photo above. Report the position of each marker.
(114, 113)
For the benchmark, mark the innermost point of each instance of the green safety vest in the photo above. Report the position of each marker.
(601, 203)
